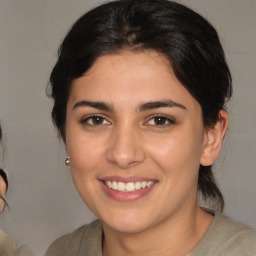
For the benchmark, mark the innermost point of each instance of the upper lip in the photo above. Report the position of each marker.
(126, 179)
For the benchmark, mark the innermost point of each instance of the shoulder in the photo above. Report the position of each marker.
(7, 244)
(235, 238)
(8, 247)
(231, 228)
(80, 240)
(227, 238)
(24, 250)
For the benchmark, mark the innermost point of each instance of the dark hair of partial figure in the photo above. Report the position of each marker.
(185, 38)
(3, 174)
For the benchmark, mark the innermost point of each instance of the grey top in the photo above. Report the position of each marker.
(224, 237)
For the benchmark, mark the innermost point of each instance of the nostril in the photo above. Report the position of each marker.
(125, 149)
(125, 162)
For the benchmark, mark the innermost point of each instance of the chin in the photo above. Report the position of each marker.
(128, 224)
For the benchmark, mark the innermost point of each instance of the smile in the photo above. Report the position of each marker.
(129, 186)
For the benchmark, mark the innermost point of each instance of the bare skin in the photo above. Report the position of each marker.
(2, 193)
(129, 119)
(176, 241)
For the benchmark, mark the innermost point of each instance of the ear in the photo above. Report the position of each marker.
(213, 140)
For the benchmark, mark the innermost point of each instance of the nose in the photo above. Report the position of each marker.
(125, 148)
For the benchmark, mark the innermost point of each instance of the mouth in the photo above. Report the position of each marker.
(127, 189)
(128, 186)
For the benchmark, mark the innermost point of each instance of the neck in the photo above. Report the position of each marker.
(174, 236)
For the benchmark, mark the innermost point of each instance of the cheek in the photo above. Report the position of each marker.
(177, 154)
(2, 187)
(85, 151)
(2, 193)
(85, 154)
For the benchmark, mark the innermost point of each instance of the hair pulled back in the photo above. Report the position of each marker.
(185, 38)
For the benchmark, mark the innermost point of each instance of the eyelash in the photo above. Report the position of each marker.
(87, 119)
(167, 120)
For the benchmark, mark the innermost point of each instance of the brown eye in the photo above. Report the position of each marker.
(160, 121)
(95, 120)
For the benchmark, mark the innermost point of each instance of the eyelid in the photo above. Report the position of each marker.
(170, 120)
(85, 119)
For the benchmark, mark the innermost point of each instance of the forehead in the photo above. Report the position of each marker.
(129, 77)
(135, 63)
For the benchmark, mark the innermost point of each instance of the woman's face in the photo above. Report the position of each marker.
(135, 138)
(2, 193)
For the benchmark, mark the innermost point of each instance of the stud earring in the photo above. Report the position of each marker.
(67, 161)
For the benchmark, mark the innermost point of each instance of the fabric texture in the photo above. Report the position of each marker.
(8, 247)
(224, 237)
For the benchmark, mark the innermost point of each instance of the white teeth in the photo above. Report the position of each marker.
(128, 187)
(121, 186)
(149, 184)
(138, 185)
(109, 184)
(113, 185)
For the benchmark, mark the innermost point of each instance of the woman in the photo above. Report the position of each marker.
(3, 184)
(3, 189)
(7, 244)
(139, 90)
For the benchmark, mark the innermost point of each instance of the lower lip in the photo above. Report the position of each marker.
(126, 196)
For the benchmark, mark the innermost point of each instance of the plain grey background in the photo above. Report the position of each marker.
(43, 201)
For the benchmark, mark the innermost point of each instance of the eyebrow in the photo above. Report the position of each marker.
(160, 104)
(94, 104)
(143, 107)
